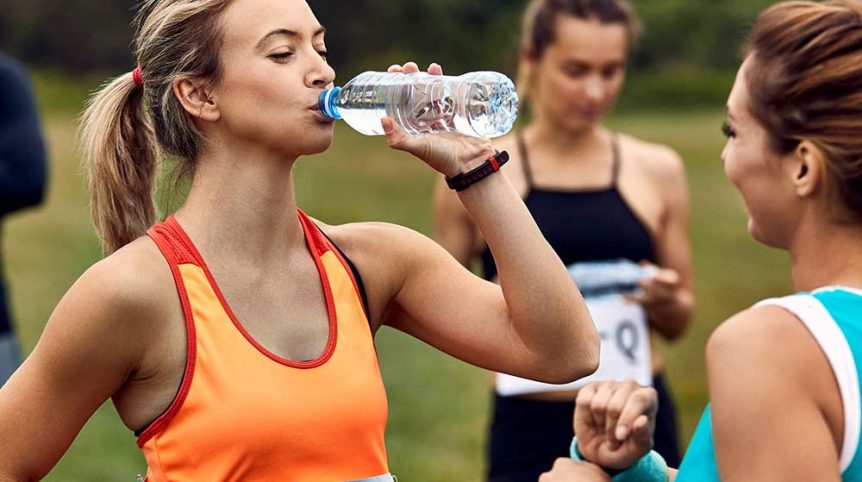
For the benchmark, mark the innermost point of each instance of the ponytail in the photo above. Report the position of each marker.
(121, 155)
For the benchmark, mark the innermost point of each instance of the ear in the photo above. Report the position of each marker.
(808, 167)
(196, 97)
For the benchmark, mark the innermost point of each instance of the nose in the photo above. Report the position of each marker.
(321, 74)
(594, 89)
(723, 156)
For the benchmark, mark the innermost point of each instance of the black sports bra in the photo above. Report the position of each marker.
(583, 224)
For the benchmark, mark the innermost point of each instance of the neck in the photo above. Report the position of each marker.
(826, 255)
(548, 134)
(242, 205)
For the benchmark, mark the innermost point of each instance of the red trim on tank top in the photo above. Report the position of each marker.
(161, 235)
(314, 247)
(338, 255)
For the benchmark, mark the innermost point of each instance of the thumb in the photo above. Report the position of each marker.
(399, 139)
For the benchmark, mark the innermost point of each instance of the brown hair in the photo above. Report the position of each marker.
(805, 82)
(126, 127)
(540, 22)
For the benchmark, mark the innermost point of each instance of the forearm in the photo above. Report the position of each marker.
(545, 307)
(672, 318)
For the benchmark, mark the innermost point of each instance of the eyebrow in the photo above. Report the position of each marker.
(729, 114)
(287, 33)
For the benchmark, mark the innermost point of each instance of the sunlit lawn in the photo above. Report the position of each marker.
(438, 406)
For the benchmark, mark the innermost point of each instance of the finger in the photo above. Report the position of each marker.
(666, 277)
(634, 297)
(583, 415)
(599, 405)
(394, 68)
(642, 402)
(411, 67)
(435, 69)
(642, 432)
(399, 139)
(615, 408)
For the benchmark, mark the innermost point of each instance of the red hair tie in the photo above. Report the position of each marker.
(138, 76)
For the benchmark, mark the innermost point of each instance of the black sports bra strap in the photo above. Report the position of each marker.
(615, 168)
(525, 161)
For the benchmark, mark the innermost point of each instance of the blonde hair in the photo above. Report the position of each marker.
(127, 127)
(540, 21)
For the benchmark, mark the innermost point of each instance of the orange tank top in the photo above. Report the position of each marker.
(243, 413)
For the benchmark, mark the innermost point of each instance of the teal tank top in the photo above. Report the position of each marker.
(833, 315)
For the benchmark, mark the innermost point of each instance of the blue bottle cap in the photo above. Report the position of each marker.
(328, 103)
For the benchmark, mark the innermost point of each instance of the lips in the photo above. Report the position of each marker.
(320, 117)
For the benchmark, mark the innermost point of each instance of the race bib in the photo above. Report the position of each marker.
(621, 325)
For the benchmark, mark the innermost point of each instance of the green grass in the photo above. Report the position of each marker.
(438, 406)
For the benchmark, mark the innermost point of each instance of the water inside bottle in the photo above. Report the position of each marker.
(477, 104)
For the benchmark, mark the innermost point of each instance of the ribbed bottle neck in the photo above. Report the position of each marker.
(328, 103)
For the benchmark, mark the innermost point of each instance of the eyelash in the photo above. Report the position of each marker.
(727, 130)
(281, 56)
(286, 55)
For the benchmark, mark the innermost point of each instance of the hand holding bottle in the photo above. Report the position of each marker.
(448, 153)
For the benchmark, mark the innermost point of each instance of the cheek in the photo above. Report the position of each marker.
(613, 87)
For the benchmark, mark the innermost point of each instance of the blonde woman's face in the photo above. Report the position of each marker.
(274, 69)
(579, 76)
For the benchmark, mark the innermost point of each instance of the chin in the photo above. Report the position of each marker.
(580, 124)
(765, 237)
(316, 143)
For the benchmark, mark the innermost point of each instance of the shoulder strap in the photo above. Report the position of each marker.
(525, 160)
(172, 242)
(313, 234)
(322, 243)
(354, 272)
(832, 341)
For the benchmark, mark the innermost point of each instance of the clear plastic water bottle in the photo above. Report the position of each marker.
(480, 104)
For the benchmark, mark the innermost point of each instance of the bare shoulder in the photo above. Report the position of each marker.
(117, 311)
(384, 254)
(376, 240)
(129, 286)
(661, 162)
(768, 340)
(135, 274)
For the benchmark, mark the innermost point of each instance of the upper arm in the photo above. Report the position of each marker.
(766, 374)
(452, 226)
(673, 248)
(90, 345)
(440, 302)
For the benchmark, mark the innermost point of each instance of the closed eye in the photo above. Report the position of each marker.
(281, 56)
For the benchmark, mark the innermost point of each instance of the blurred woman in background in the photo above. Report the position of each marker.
(23, 173)
(784, 384)
(613, 207)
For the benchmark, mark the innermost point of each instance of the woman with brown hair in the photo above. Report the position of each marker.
(236, 337)
(608, 204)
(783, 375)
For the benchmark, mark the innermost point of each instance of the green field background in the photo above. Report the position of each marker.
(438, 405)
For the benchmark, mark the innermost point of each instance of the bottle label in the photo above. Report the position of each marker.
(621, 325)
